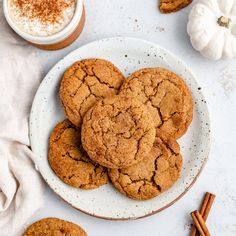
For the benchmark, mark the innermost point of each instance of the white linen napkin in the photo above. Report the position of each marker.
(21, 187)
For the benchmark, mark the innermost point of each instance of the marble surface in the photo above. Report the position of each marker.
(141, 19)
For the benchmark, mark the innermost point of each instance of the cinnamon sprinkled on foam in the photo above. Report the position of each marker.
(46, 11)
(42, 17)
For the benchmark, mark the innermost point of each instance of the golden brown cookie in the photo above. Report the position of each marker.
(154, 174)
(54, 227)
(118, 132)
(168, 6)
(84, 83)
(166, 95)
(69, 160)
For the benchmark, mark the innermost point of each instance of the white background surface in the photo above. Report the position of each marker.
(141, 19)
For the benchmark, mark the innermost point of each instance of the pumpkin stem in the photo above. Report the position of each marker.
(223, 21)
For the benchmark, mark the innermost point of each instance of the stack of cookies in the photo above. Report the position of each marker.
(120, 129)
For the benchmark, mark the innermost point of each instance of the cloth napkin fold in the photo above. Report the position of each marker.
(21, 187)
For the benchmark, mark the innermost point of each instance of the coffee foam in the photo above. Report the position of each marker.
(34, 26)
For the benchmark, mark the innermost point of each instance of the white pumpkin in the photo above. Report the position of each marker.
(212, 28)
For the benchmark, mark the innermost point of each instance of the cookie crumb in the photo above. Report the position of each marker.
(169, 6)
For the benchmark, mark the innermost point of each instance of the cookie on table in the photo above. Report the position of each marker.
(166, 95)
(70, 162)
(168, 6)
(54, 227)
(154, 174)
(118, 132)
(84, 83)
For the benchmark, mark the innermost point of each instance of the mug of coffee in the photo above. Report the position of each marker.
(47, 24)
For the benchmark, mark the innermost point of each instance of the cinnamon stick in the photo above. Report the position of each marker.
(200, 224)
(205, 209)
(208, 206)
(205, 203)
(197, 224)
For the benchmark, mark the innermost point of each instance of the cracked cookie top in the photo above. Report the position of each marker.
(166, 95)
(54, 227)
(84, 83)
(154, 174)
(118, 132)
(69, 160)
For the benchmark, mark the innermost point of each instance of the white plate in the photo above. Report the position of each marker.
(129, 55)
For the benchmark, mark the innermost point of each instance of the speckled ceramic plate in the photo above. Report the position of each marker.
(129, 55)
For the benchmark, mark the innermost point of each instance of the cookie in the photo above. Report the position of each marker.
(168, 6)
(84, 83)
(70, 162)
(54, 227)
(154, 174)
(118, 132)
(166, 95)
